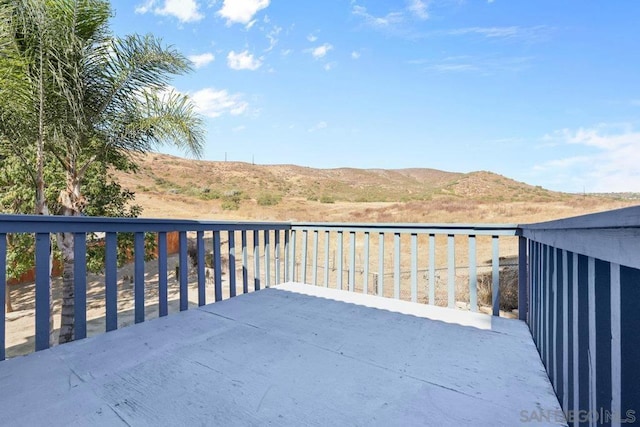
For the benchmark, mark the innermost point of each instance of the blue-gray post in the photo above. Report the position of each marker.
(277, 256)
(184, 271)
(292, 257)
(256, 260)
(232, 263)
(163, 303)
(138, 283)
(495, 276)
(201, 264)
(80, 285)
(3, 290)
(217, 273)
(267, 259)
(111, 280)
(245, 262)
(43, 301)
(522, 278)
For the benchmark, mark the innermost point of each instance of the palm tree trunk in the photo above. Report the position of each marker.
(72, 203)
(67, 314)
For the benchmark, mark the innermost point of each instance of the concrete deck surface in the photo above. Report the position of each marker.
(289, 355)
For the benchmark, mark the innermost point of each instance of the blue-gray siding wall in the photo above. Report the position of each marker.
(584, 318)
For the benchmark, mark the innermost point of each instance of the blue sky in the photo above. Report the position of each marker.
(546, 91)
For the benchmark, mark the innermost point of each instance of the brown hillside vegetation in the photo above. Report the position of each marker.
(168, 186)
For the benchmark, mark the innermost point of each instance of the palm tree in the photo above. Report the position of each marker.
(109, 97)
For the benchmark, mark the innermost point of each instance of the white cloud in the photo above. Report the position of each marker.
(272, 36)
(377, 21)
(484, 65)
(241, 11)
(528, 34)
(201, 60)
(330, 66)
(312, 38)
(183, 10)
(419, 9)
(286, 52)
(243, 61)
(145, 7)
(608, 162)
(318, 126)
(355, 55)
(320, 51)
(214, 103)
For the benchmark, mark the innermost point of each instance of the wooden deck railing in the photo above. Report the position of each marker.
(578, 280)
(584, 315)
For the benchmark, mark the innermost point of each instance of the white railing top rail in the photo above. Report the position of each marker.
(421, 228)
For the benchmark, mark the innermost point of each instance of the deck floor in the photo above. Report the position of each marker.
(289, 355)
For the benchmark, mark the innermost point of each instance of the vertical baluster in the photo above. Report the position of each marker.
(304, 256)
(184, 271)
(277, 257)
(396, 266)
(163, 295)
(43, 297)
(616, 341)
(256, 260)
(495, 276)
(80, 285)
(565, 330)
(3, 293)
(314, 281)
(380, 289)
(267, 259)
(202, 299)
(473, 274)
(365, 284)
(352, 261)
(287, 272)
(217, 266)
(326, 258)
(432, 269)
(111, 281)
(138, 282)
(414, 267)
(451, 245)
(292, 257)
(522, 278)
(231, 237)
(339, 259)
(592, 351)
(575, 331)
(245, 262)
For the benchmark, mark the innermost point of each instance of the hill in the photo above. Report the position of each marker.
(161, 174)
(168, 186)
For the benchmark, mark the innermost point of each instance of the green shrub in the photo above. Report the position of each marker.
(269, 200)
(327, 199)
(230, 205)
